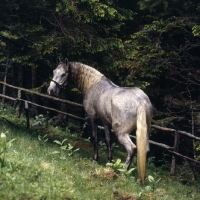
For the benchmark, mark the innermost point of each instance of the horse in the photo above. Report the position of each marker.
(124, 109)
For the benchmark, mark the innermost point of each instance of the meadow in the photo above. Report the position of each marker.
(54, 163)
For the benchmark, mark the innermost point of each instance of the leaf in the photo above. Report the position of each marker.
(140, 194)
(39, 137)
(62, 157)
(46, 140)
(148, 188)
(130, 170)
(158, 180)
(151, 178)
(118, 161)
(11, 141)
(64, 147)
(3, 135)
(109, 164)
(121, 170)
(64, 141)
(77, 149)
(55, 152)
(57, 142)
(70, 147)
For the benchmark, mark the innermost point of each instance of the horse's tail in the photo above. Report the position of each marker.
(141, 135)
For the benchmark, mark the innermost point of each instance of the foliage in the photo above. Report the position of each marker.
(39, 121)
(65, 148)
(197, 148)
(147, 44)
(119, 167)
(43, 139)
(153, 183)
(4, 148)
(153, 187)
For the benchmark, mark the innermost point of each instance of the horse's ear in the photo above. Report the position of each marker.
(58, 60)
(66, 61)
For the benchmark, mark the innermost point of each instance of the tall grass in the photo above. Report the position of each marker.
(33, 171)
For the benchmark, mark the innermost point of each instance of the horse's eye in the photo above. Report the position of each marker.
(63, 75)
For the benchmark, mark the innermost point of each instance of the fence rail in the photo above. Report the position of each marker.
(173, 150)
(44, 107)
(42, 95)
(173, 130)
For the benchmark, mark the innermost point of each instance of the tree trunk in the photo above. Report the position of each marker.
(4, 87)
(21, 76)
(34, 85)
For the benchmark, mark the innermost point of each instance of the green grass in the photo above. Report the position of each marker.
(32, 171)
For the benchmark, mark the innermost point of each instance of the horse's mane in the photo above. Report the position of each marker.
(84, 76)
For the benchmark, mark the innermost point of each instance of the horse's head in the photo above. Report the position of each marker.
(60, 78)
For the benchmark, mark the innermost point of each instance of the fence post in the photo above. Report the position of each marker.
(27, 115)
(176, 147)
(4, 87)
(18, 108)
(47, 119)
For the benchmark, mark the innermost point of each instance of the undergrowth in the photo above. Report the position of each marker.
(52, 163)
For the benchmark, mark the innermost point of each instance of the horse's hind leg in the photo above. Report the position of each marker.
(125, 140)
(148, 130)
(108, 142)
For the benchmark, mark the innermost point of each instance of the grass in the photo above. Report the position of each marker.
(39, 169)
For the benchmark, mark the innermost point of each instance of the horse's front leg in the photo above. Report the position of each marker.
(93, 126)
(108, 142)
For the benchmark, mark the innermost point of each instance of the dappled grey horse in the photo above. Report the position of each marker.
(124, 109)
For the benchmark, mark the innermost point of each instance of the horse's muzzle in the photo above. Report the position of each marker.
(52, 92)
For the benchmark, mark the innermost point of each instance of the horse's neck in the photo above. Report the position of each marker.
(83, 76)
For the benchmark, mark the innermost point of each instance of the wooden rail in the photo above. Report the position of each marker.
(42, 95)
(173, 130)
(44, 107)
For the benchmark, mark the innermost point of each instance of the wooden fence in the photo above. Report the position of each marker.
(173, 150)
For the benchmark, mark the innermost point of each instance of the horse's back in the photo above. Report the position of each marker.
(130, 98)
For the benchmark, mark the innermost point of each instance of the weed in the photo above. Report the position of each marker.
(39, 121)
(69, 148)
(152, 183)
(4, 147)
(151, 161)
(119, 167)
(114, 146)
(43, 139)
(40, 118)
(151, 189)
